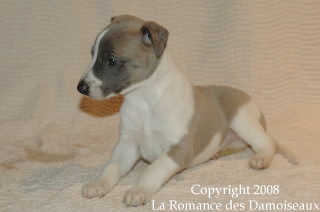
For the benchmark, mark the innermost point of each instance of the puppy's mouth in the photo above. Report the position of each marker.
(98, 92)
(107, 93)
(115, 89)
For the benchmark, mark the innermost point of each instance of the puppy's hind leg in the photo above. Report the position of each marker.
(247, 126)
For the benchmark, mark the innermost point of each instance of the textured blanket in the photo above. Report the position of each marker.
(53, 140)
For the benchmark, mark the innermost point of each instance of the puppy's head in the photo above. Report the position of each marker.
(125, 53)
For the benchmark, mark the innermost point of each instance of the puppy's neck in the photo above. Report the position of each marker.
(167, 80)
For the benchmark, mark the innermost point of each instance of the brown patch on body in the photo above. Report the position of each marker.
(214, 107)
(230, 99)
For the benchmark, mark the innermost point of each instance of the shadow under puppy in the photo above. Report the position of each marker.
(164, 119)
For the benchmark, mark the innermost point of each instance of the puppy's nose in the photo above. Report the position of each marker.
(83, 87)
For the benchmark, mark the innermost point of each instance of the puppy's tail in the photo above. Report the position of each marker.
(287, 153)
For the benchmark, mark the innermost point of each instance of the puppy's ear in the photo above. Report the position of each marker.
(155, 35)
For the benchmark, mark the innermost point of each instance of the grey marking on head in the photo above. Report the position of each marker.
(122, 56)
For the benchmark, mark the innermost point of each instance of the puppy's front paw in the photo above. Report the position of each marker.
(260, 162)
(136, 196)
(96, 189)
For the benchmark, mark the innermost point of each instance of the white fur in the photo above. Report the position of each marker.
(246, 124)
(156, 119)
(155, 116)
(150, 123)
(96, 48)
(94, 84)
(151, 180)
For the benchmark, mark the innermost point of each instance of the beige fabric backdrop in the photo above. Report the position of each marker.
(53, 141)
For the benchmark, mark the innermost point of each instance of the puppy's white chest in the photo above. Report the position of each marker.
(156, 137)
(159, 114)
(153, 129)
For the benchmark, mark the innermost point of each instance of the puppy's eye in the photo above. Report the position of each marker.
(111, 61)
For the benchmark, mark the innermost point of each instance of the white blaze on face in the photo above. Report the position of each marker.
(88, 76)
(96, 47)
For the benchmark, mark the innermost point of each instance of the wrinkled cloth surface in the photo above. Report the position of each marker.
(53, 140)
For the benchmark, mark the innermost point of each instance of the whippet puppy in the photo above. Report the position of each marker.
(164, 119)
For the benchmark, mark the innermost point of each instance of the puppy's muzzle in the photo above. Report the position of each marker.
(83, 87)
